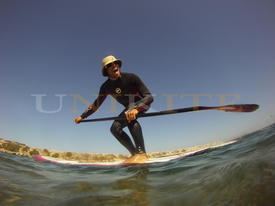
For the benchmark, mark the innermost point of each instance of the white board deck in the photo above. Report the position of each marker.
(40, 158)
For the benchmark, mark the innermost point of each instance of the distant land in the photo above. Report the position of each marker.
(19, 149)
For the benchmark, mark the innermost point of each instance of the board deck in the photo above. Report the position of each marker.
(40, 158)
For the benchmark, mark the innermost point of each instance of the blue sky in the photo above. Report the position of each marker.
(213, 48)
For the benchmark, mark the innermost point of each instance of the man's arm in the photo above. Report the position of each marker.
(143, 104)
(93, 107)
(146, 95)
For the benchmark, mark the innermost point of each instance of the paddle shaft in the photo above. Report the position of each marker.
(226, 108)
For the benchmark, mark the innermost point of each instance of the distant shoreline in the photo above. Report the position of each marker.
(19, 149)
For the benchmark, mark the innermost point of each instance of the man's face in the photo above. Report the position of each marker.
(113, 71)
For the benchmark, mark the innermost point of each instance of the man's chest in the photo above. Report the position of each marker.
(122, 89)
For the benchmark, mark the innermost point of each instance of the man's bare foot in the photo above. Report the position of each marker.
(137, 158)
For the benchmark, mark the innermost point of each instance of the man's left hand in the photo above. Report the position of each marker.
(131, 115)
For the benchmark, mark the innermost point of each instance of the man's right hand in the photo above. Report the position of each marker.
(76, 120)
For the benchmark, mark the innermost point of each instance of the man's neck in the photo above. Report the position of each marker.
(114, 79)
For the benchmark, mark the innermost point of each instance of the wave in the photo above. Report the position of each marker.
(238, 174)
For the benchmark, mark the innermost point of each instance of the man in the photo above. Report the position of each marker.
(131, 92)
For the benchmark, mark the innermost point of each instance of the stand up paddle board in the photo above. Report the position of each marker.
(40, 158)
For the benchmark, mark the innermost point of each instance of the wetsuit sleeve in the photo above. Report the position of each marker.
(93, 107)
(144, 92)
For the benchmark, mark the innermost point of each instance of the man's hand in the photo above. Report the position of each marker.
(131, 115)
(76, 120)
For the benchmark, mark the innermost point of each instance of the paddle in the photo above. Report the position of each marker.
(226, 108)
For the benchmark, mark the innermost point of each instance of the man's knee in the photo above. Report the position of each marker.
(133, 125)
(116, 128)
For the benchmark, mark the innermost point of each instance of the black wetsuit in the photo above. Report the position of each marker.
(131, 92)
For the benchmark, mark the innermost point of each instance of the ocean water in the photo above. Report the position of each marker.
(239, 174)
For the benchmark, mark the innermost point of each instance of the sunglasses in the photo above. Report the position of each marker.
(111, 64)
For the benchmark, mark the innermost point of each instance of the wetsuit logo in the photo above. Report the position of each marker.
(118, 90)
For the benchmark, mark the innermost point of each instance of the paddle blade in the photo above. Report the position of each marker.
(239, 108)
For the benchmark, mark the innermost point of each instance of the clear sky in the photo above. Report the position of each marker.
(55, 47)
